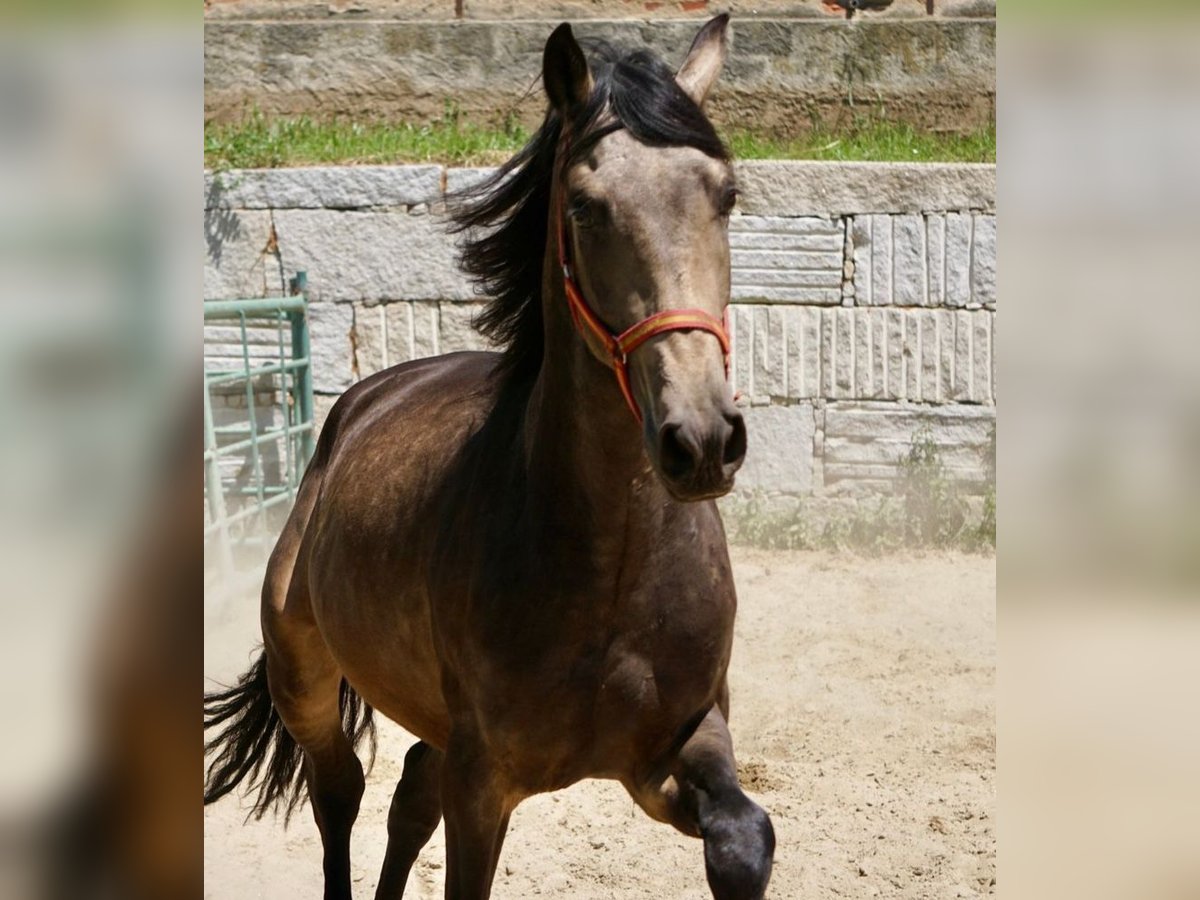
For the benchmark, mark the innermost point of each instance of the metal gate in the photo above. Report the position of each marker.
(258, 418)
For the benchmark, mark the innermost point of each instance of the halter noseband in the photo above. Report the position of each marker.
(614, 349)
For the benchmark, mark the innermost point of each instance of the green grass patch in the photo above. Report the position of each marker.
(259, 142)
(262, 142)
(871, 142)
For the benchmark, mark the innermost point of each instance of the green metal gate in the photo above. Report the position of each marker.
(258, 418)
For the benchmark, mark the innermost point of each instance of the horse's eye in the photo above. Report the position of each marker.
(582, 212)
(728, 200)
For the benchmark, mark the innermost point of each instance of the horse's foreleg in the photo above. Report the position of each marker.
(476, 811)
(702, 798)
(415, 813)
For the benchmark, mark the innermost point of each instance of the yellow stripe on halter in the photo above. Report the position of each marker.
(668, 321)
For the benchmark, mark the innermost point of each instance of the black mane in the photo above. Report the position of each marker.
(506, 215)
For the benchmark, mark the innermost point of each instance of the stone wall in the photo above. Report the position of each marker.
(425, 10)
(864, 300)
(783, 74)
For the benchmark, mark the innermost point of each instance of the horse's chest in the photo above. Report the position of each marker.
(620, 687)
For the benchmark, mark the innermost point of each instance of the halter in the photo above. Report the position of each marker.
(614, 349)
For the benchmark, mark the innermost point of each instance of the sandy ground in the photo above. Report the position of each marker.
(863, 717)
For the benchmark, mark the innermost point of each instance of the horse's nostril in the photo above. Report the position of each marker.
(735, 444)
(677, 454)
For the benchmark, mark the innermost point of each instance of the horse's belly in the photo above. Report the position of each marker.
(383, 646)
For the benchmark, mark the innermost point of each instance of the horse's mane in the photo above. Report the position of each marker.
(505, 216)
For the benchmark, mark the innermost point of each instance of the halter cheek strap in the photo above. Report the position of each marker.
(615, 349)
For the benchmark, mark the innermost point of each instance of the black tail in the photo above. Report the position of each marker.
(253, 742)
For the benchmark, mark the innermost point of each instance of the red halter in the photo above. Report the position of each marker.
(614, 349)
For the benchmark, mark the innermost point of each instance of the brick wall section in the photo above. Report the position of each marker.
(864, 299)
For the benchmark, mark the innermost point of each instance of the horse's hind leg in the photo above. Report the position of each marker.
(702, 797)
(415, 813)
(305, 688)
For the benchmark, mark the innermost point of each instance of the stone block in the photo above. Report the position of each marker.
(765, 37)
(901, 353)
(963, 391)
(912, 357)
(897, 356)
(806, 294)
(779, 454)
(323, 187)
(776, 380)
(879, 352)
(862, 242)
(843, 362)
(786, 260)
(930, 350)
(931, 260)
(803, 349)
(369, 256)
(866, 441)
(945, 355)
(332, 346)
(983, 260)
(828, 351)
(957, 267)
(238, 259)
(461, 178)
(370, 339)
(743, 349)
(935, 259)
(909, 286)
(457, 327)
(322, 404)
(881, 246)
(862, 354)
(426, 330)
(981, 356)
(470, 40)
(785, 187)
(399, 320)
(763, 362)
(992, 351)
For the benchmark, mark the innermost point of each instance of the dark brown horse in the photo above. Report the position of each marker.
(517, 556)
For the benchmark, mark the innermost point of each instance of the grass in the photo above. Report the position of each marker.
(871, 142)
(261, 142)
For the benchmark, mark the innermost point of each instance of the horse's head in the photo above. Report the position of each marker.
(643, 196)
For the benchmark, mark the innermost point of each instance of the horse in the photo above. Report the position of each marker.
(516, 555)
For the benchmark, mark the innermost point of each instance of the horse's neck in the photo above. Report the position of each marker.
(583, 446)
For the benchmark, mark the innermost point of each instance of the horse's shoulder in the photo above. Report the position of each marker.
(432, 389)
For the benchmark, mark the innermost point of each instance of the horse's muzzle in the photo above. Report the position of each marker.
(698, 458)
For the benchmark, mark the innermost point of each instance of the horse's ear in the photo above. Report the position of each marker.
(565, 72)
(699, 71)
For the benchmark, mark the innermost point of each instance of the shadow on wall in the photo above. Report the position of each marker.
(241, 248)
(220, 225)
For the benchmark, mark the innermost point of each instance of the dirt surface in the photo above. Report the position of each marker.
(864, 720)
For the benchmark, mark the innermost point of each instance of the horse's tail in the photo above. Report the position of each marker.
(253, 743)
